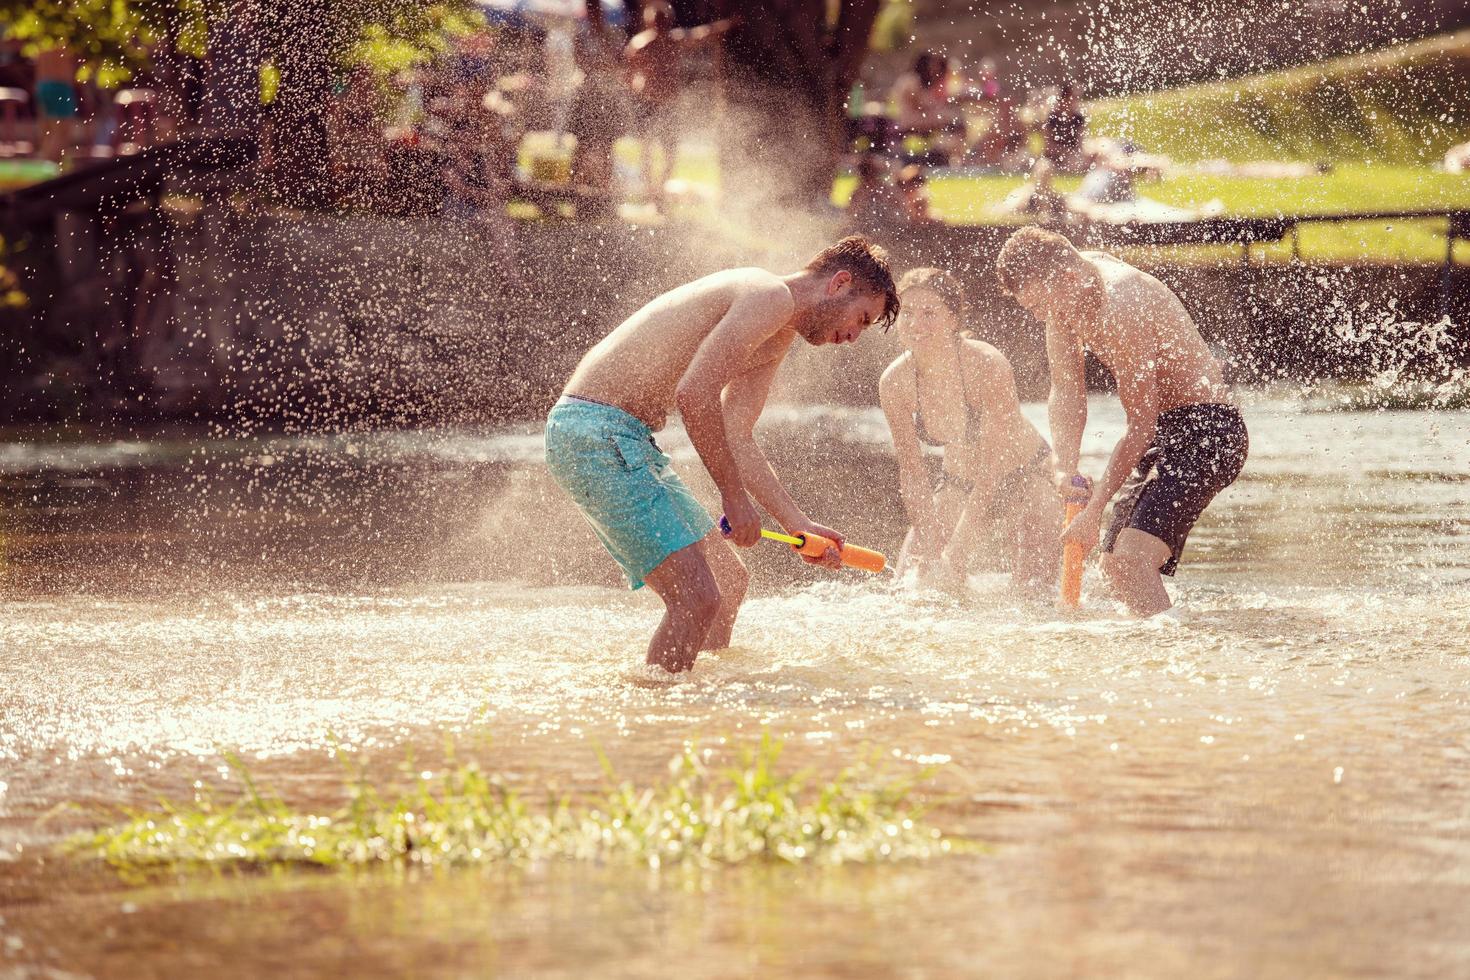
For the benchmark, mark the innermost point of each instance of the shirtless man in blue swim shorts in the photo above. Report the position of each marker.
(710, 349)
(1186, 440)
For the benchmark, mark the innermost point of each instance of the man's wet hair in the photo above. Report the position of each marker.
(868, 265)
(1030, 255)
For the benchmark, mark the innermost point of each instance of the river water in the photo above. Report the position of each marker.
(1276, 783)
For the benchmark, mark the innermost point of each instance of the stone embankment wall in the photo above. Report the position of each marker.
(232, 310)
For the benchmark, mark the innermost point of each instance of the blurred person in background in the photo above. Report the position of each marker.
(598, 114)
(876, 200)
(926, 108)
(56, 102)
(476, 189)
(654, 61)
(913, 190)
(1064, 130)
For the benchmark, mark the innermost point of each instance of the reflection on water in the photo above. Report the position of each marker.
(1276, 782)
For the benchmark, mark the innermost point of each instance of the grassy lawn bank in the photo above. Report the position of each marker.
(1348, 189)
(1405, 104)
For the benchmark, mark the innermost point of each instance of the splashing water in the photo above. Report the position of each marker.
(1321, 641)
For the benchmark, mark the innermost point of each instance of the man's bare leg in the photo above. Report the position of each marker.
(732, 580)
(1132, 569)
(691, 598)
(905, 554)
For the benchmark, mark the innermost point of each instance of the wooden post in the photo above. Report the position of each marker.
(1459, 227)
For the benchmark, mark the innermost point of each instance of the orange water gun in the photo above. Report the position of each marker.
(1072, 555)
(815, 546)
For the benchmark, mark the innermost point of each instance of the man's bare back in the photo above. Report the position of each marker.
(639, 365)
(1141, 330)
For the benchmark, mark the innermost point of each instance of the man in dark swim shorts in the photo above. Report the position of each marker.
(1197, 451)
(1185, 440)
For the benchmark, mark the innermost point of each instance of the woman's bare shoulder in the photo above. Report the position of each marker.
(897, 379)
(980, 356)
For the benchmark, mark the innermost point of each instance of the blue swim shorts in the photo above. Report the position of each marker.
(608, 462)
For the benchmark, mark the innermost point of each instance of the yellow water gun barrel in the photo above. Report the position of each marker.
(815, 546)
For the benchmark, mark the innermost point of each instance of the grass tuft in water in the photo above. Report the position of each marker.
(465, 816)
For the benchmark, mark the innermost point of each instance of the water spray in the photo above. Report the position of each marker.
(815, 546)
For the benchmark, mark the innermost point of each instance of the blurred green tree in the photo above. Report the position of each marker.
(286, 52)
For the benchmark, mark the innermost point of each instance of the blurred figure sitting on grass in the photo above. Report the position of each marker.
(875, 199)
(1457, 159)
(1037, 196)
(1109, 189)
(998, 139)
(913, 189)
(926, 109)
(1064, 131)
(1002, 144)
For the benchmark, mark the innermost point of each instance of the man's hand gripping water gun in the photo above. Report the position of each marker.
(814, 547)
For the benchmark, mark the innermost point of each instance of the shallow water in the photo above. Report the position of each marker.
(1276, 782)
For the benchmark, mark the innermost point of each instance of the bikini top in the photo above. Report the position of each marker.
(972, 419)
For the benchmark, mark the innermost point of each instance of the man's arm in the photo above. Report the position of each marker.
(754, 316)
(1067, 404)
(1140, 395)
(743, 400)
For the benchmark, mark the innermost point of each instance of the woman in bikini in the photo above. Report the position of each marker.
(951, 391)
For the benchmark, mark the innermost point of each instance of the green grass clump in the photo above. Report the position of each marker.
(1405, 104)
(465, 816)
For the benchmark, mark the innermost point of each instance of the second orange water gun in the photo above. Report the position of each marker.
(1072, 555)
(815, 546)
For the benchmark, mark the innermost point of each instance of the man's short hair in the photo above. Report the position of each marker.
(1030, 255)
(868, 265)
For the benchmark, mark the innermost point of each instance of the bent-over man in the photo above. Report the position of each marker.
(709, 348)
(1186, 440)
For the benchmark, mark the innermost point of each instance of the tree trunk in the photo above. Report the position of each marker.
(787, 73)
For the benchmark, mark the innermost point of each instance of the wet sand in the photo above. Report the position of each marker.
(1277, 783)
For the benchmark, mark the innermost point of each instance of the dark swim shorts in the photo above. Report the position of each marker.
(1198, 450)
